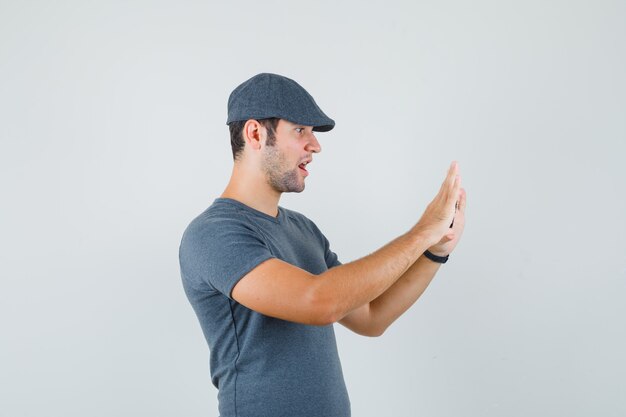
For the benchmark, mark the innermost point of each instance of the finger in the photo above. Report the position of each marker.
(449, 180)
(459, 220)
(460, 215)
(453, 172)
(454, 191)
(452, 203)
(454, 167)
(447, 237)
(463, 200)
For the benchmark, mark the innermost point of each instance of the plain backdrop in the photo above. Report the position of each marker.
(113, 137)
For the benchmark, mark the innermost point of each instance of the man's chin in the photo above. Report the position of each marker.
(296, 190)
(290, 189)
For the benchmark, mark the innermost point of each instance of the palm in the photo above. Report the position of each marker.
(446, 246)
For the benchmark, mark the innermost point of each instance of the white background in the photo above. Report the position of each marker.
(113, 137)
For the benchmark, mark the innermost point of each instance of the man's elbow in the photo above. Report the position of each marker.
(374, 331)
(326, 314)
(377, 333)
(325, 307)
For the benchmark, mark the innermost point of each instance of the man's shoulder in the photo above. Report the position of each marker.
(213, 221)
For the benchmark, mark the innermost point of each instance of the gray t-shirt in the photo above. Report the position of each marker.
(262, 366)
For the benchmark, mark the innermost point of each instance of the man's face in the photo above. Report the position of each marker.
(281, 163)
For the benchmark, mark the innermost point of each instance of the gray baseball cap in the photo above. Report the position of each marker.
(270, 95)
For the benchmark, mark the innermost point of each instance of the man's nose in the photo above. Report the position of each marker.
(313, 144)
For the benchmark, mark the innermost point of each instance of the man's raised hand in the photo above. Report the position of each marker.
(434, 225)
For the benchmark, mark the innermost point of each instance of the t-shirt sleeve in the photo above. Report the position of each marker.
(220, 253)
(331, 257)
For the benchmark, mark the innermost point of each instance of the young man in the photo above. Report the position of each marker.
(263, 280)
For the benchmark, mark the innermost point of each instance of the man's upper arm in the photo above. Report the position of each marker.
(278, 289)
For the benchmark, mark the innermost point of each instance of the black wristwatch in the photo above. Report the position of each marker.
(435, 258)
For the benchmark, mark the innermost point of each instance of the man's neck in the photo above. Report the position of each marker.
(253, 191)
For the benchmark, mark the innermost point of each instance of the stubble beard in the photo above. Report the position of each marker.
(282, 181)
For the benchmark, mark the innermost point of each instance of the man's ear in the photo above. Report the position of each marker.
(253, 134)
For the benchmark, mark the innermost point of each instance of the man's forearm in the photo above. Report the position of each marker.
(348, 286)
(391, 304)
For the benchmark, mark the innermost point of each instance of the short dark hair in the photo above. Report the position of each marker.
(236, 134)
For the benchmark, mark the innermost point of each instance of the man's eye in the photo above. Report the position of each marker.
(299, 129)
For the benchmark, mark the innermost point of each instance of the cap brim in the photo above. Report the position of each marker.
(323, 128)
